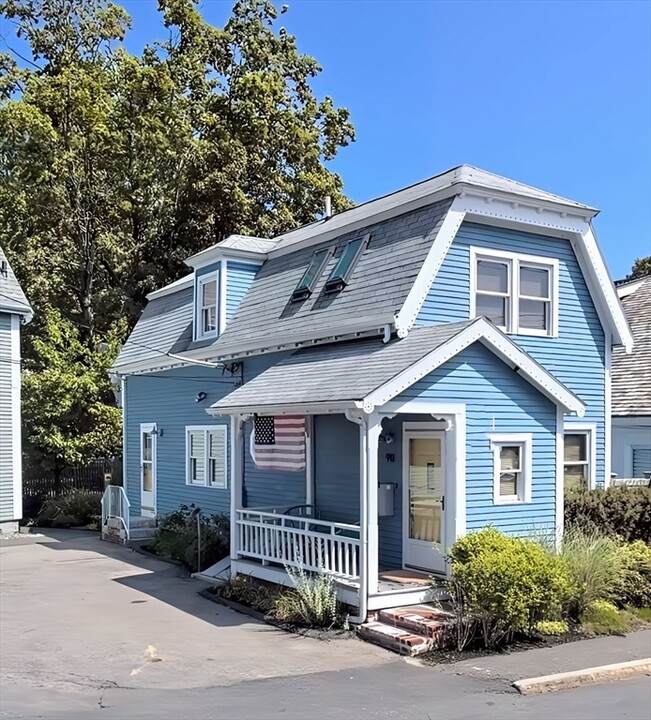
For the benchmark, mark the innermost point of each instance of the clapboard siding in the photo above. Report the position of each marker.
(576, 356)
(497, 400)
(268, 488)
(169, 399)
(239, 277)
(6, 421)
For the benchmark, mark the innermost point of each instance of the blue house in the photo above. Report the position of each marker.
(404, 372)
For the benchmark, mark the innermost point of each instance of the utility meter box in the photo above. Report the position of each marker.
(385, 499)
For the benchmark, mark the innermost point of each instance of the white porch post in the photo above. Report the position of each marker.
(309, 460)
(373, 430)
(237, 474)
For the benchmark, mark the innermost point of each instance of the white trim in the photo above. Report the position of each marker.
(373, 431)
(484, 331)
(309, 460)
(221, 295)
(590, 431)
(217, 253)
(608, 410)
(458, 455)
(513, 294)
(16, 434)
(149, 428)
(602, 288)
(307, 409)
(430, 267)
(125, 434)
(412, 431)
(475, 184)
(202, 280)
(525, 442)
(206, 430)
(559, 485)
(173, 287)
(237, 477)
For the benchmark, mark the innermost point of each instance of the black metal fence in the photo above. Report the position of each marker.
(39, 485)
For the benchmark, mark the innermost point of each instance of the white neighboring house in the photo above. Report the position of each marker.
(15, 310)
(631, 386)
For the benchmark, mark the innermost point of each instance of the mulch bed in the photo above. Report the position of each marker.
(326, 634)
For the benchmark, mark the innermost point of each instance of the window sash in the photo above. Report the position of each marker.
(206, 456)
(510, 471)
(577, 464)
(523, 312)
(207, 302)
(512, 462)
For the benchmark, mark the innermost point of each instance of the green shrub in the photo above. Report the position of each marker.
(551, 627)
(242, 589)
(509, 584)
(619, 511)
(597, 568)
(178, 538)
(636, 589)
(311, 602)
(603, 618)
(72, 509)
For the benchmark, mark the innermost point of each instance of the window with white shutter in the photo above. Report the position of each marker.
(206, 456)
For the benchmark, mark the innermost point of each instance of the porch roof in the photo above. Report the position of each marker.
(369, 373)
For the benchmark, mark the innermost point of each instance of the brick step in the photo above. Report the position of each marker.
(395, 638)
(423, 620)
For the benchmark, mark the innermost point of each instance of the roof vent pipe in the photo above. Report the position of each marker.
(328, 207)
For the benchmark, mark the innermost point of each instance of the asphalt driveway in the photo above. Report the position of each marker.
(76, 611)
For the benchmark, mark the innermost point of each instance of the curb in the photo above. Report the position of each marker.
(589, 676)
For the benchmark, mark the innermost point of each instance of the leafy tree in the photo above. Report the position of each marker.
(641, 268)
(67, 395)
(115, 167)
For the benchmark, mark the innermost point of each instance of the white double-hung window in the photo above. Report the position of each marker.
(511, 468)
(206, 456)
(519, 293)
(580, 449)
(206, 303)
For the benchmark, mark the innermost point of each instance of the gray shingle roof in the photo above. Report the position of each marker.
(346, 371)
(376, 290)
(12, 298)
(165, 326)
(461, 175)
(631, 374)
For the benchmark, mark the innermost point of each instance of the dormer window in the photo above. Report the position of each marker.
(341, 272)
(311, 275)
(206, 320)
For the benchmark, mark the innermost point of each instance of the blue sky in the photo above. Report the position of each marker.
(555, 94)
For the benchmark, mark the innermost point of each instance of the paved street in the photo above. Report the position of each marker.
(92, 629)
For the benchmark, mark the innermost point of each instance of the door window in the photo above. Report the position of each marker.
(425, 490)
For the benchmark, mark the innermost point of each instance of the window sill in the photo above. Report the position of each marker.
(510, 501)
(205, 485)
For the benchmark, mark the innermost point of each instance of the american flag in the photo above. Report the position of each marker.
(278, 443)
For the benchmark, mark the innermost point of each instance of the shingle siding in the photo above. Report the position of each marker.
(6, 421)
(576, 357)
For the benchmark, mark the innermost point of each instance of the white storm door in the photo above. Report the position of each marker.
(148, 437)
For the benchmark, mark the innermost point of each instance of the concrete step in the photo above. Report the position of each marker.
(142, 522)
(141, 533)
(426, 620)
(395, 638)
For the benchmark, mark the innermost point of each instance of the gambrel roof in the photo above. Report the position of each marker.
(12, 298)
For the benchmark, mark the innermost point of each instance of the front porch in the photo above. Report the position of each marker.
(269, 540)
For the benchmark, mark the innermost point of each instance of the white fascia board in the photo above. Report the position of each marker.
(177, 285)
(483, 331)
(216, 253)
(602, 288)
(430, 267)
(324, 408)
(22, 311)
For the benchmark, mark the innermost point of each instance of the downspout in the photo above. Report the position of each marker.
(363, 511)
(387, 333)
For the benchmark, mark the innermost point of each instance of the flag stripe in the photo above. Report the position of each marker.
(278, 443)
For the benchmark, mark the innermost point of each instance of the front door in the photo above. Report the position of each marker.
(148, 470)
(424, 499)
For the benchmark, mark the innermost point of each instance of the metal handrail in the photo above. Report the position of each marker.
(115, 504)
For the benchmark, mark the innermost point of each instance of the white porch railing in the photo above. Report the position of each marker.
(115, 504)
(316, 545)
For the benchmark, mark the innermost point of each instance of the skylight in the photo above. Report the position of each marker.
(340, 274)
(306, 284)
